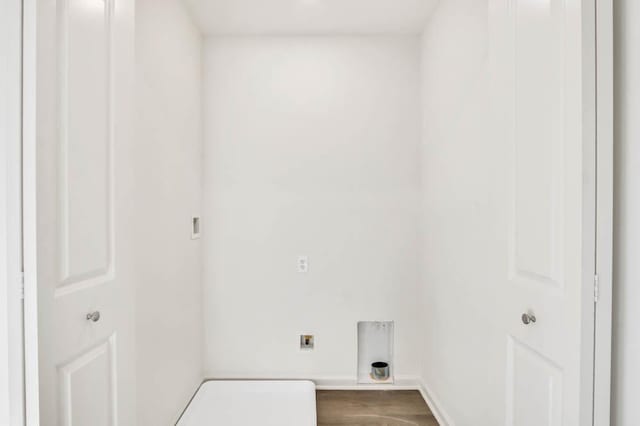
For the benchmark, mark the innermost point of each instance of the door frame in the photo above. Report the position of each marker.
(11, 338)
(29, 217)
(603, 290)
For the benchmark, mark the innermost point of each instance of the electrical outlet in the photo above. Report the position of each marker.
(306, 342)
(303, 264)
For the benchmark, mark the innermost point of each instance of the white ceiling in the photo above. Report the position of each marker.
(317, 17)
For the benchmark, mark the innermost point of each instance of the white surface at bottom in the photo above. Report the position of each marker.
(252, 403)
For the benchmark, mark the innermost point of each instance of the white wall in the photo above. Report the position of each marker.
(168, 178)
(311, 148)
(463, 361)
(626, 338)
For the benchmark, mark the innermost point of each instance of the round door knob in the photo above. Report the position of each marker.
(528, 318)
(93, 316)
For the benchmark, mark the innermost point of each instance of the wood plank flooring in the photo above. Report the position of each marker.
(373, 408)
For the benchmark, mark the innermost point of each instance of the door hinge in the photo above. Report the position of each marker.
(21, 284)
(596, 288)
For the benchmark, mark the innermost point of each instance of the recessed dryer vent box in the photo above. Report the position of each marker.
(375, 344)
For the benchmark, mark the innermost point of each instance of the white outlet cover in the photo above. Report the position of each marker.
(303, 264)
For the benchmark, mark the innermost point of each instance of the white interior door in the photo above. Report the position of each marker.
(543, 61)
(82, 55)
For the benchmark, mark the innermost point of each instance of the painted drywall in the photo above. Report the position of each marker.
(311, 17)
(311, 148)
(168, 189)
(626, 333)
(463, 356)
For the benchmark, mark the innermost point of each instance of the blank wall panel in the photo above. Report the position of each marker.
(86, 178)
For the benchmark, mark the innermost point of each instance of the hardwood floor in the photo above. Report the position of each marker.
(373, 408)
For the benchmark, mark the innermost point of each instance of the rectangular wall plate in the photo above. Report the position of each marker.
(307, 342)
(303, 264)
(195, 227)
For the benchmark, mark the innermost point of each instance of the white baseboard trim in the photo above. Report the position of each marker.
(351, 383)
(402, 382)
(435, 405)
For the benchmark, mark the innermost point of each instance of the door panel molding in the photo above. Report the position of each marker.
(537, 193)
(105, 352)
(86, 194)
(542, 376)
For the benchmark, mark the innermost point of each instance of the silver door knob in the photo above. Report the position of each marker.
(528, 318)
(93, 316)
